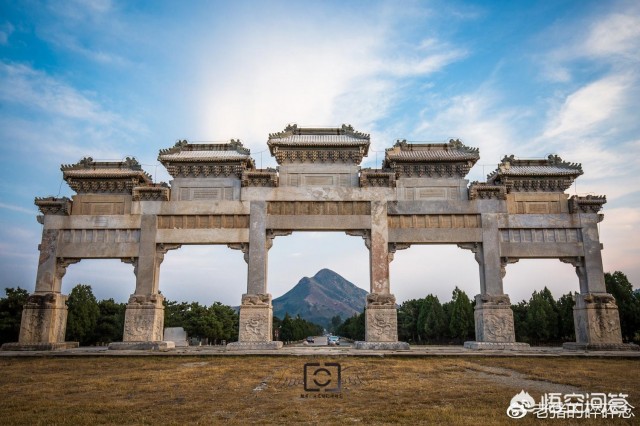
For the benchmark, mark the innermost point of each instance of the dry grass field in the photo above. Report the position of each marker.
(270, 390)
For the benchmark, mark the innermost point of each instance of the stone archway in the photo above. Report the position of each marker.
(418, 196)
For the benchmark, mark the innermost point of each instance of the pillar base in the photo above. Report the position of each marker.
(506, 346)
(256, 319)
(381, 319)
(144, 318)
(596, 320)
(575, 346)
(494, 320)
(142, 346)
(44, 319)
(382, 346)
(254, 346)
(39, 346)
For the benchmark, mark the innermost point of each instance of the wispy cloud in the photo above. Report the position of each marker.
(35, 89)
(17, 208)
(6, 29)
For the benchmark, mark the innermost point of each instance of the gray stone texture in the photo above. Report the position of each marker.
(521, 212)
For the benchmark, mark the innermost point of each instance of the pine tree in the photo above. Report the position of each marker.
(461, 324)
(82, 316)
(11, 314)
(431, 319)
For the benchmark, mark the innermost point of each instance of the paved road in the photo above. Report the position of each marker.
(321, 341)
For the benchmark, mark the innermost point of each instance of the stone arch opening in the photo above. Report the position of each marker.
(306, 252)
(433, 269)
(108, 278)
(204, 274)
(528, 275)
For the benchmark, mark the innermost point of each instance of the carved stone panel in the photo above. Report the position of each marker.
(144, 318)
(44, 319)
(256, 316)
(494, 319)
(596, 319)
(434, 221)
(381, 323)
(211, 221)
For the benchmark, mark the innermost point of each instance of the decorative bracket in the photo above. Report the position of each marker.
(364, 233)
(62, 263)
(504, 261)
(272, 233)
(241, 246)
(131, 261)
(393, 247)
(476, 248)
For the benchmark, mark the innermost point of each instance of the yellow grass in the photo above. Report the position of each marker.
(269, 390)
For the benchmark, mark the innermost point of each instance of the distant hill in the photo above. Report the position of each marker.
(320, 298)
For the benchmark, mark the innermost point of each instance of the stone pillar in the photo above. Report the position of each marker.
(44, 316)
(144, 317)
(381, 315)
(595, 314)
(256, 312)
(493, 316)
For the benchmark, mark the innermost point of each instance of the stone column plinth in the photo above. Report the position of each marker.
(255, 332)
(143, 323)
(381, 324)
(597, 324)
(494, 324)
(44, 322)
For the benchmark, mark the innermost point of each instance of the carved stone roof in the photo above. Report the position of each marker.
(319, 144)
(528, 175)
(185, 159)
(88, 176)
(453, 159)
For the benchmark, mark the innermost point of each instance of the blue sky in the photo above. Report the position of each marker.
(113, 79)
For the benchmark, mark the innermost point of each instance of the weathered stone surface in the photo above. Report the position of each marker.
(142, 346)
(494, 319)
(44, 319)
(144, 318)
(39, 346)
(513, 346)
(254, 346)
(420, 196)
(575, 346)
(384, 346)
(596, 319)
(381, 323)
(256, 319)
(177, 335)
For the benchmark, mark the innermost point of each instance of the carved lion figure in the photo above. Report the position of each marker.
(377, 299)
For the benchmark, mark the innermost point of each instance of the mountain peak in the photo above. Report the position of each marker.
(320, 298)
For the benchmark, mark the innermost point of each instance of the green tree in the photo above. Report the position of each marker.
(11, 314)
(353, 328)
(82, 316)
(335, 323)
(566, 327)
(408, 314)
(628, 303)
(520, 321)
(110, 324)
(540, 318)
(461, 324)
(431, 319)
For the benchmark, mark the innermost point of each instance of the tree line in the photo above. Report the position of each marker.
(539, 321)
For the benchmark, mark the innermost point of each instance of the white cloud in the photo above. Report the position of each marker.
(35, 89)
(616, 35)
(590, 108)
(17, 208)
(6, 29)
